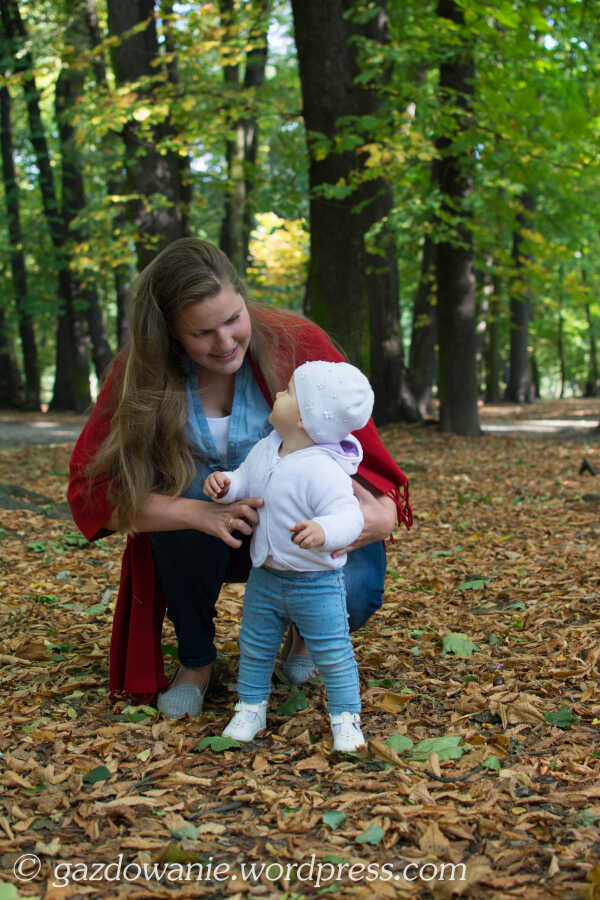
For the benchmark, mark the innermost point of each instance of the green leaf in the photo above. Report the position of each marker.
(371, 835)
(185, 831)
(100, 773)
(333, 818)
(475, 584)
(295, 702)
(588, 818)
(399, 742)
(138, 713)
(562, 718)
(8, 891)
(218, 743)
(446, 747)
(492, 762)
(459, 644)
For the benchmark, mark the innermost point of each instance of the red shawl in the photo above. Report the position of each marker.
(136, 662)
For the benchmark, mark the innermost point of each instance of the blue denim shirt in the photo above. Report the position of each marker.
(248, 424)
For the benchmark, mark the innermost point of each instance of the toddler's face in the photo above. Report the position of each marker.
(285, 415)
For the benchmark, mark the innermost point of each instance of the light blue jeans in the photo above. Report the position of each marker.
(316, 603)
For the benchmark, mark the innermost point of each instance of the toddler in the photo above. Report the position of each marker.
(302, 471)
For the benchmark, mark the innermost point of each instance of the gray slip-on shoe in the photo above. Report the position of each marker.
(177, 701)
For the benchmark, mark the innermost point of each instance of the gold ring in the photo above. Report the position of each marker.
(229, 524)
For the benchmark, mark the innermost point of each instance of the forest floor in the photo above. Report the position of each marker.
(480, 686)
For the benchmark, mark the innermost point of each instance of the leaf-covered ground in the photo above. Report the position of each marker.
(486, 649)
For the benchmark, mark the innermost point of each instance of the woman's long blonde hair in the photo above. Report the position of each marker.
(146, 449)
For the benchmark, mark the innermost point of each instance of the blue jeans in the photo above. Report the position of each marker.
(316, 602)
(191, 567)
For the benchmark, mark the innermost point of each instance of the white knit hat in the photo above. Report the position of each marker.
(334, 398)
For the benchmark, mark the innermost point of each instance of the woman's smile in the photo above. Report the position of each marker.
(215, 332)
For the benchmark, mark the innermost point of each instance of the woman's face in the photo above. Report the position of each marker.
(215, 332)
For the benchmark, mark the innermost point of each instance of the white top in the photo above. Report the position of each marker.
(313, 483)
(219, 429)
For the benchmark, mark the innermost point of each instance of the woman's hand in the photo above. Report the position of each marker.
(159, 512)
(220, 519)
(379, 514)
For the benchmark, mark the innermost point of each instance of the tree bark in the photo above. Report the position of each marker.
(492, 352)
(71, 386)
(31, 398)
(115, 187)
(12, 394)
(352, 292)
(422, 364)
(151, 174)
(592, 384)
(69, 88)
(454, 258)
(241, 147)
(518, 389)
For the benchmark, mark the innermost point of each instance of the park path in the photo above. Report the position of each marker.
(546, 418)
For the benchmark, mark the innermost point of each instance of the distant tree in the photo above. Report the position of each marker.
(422, 361)
(11, 392)
(518, 388)
(71, 384)
(68, 92)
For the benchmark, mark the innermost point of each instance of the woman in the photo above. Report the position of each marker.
(191, 393)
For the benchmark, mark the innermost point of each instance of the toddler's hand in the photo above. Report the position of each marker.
(307, 534)
(216, 485)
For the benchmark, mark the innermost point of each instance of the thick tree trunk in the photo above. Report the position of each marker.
(352, 292)
(151, 173)
(71, 388)
(31, 399)
(518, 389)
(454, 259)
(422, 365)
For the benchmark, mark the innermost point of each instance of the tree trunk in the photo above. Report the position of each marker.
(69, 88)
(592, 385)
(12, 394)
(493, 373)
(121, 274)
(241, 148)
(31, 399)
(352, 292)
(560, 342)
(71, 387)
(152, 174)
(592, 388)
(518, 387)
(454, 268)
(422, 366)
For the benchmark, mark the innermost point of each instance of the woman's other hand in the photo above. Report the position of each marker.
(379, 514)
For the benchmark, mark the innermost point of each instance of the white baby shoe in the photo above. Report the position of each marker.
(347, 735)
(249, 719)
